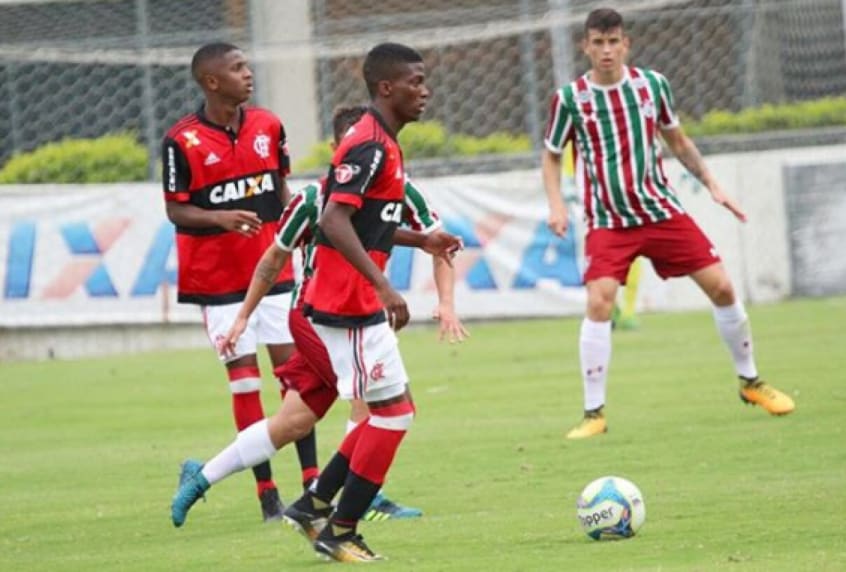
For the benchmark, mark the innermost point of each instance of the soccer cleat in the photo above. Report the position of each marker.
(622, 321)
(271, 505)
(592, 424)
(309, 523)
(383, 508)
(192, 487)
(349, 547)
(757, 392)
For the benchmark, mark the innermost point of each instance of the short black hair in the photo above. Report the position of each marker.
(345, 117)
(381, 61)
(207, 53)
(603, 20)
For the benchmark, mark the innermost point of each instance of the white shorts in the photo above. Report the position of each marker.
(366, 361)
(267, 325)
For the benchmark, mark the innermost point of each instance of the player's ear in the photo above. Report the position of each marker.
(385, 87)
(210, 82)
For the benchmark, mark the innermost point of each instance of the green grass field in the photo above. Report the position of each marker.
(90, 451)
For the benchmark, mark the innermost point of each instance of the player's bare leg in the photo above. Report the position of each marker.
(307, 445)
(253, 446)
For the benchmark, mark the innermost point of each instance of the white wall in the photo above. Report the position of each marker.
(504, 212)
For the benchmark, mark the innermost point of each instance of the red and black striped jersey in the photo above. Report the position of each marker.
(367, 173)
(215, 168)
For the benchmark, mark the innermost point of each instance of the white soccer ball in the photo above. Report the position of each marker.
(611, 508)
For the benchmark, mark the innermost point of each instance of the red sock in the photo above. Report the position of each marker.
(245, 384)
(375, 452)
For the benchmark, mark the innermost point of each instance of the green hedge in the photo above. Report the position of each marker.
(827, 112)
(108, 159)
(121, 158)
(428, 139)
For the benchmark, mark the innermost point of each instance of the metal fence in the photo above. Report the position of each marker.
(89, 67)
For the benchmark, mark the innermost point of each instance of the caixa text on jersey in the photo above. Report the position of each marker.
(242, 188)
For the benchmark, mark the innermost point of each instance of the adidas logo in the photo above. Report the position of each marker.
(211, 159)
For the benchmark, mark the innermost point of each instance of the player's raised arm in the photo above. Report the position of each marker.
(688, 154)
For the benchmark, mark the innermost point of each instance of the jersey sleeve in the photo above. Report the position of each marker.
(355, 173)
(559, 126)
(667, 117)
(299, 219)
(176, 172)
(418, 214)
(284, 156)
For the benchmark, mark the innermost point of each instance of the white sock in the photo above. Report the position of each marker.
(251, 447)
(733, 325)
(595, 354)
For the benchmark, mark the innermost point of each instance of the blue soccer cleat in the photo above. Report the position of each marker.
(383, 508)
(192, 487)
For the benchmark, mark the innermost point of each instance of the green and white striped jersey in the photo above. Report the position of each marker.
(298, 224)
(614, 130)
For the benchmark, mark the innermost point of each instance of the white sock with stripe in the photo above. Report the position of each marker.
(733, 325)
(595, 355)
(251, 447)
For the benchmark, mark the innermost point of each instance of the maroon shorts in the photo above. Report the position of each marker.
(676, 247)
(309, 371)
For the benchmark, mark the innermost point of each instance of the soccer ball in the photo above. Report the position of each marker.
(611, 508)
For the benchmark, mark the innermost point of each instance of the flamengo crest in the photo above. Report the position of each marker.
(261, 145)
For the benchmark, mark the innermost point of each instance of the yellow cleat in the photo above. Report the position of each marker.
(347, 548)
(757, 392)
(592, 424)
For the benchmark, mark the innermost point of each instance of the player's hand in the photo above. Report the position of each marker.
(395, 307)
(226, 346)
(244, 222)
(443, 244)
(451, 327)
(724, 200)
(558, 220)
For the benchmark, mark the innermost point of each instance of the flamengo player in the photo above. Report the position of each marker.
(224, 170)
(311, 385)
(352, 305)
(614, 115)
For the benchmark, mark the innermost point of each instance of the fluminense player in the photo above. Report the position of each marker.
(615, 114)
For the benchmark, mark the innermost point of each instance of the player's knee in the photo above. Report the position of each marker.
(722, 292)
(600, 308)
(289, 426)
